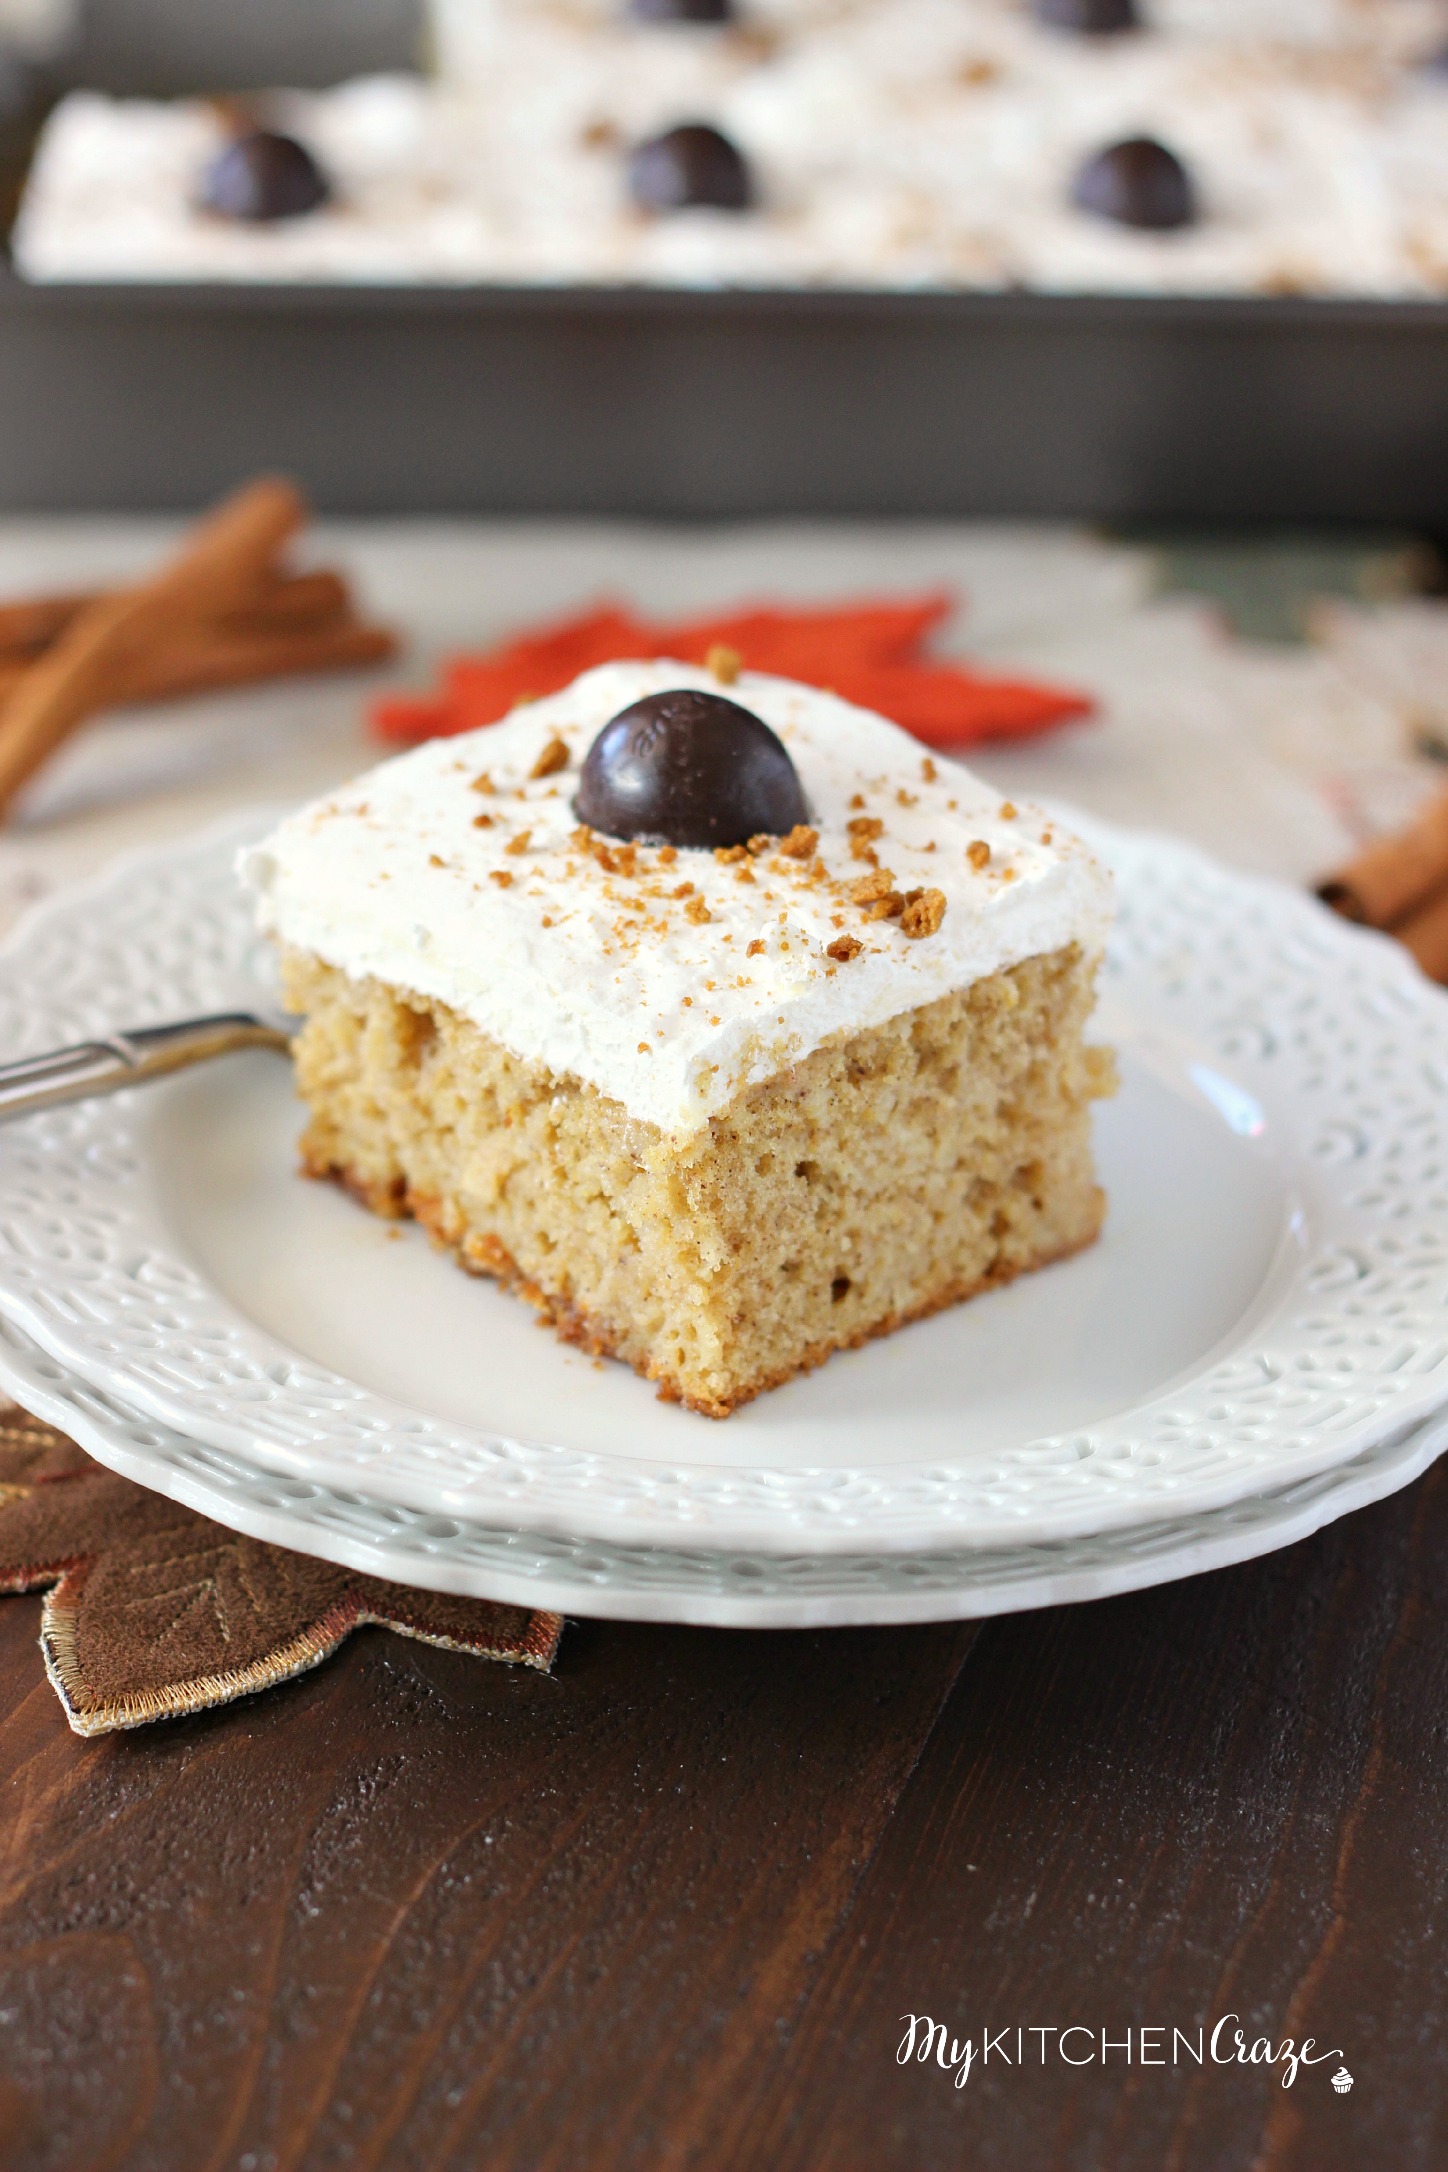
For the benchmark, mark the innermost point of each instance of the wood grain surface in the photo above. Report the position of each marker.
(667, 1908)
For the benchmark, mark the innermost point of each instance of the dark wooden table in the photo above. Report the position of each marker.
(669, 1907)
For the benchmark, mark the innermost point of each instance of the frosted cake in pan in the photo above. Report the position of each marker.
(869, 143)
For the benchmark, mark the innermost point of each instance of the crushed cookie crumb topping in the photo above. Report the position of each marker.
(801, 842)
(727, 855)
(553, 758)
(924, 911)
(435, 859)
(1008, 811)
(724, 664)
(697, 911)
(583, 839)
(978, 853)
(928, 770)
(863, 830)
(520, 843)
(482, 782)
(482, 821)
(843, 948)
(501, 877)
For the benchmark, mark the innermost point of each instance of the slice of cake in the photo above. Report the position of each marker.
(719, 1021)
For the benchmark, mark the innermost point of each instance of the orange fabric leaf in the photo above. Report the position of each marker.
(870, 652)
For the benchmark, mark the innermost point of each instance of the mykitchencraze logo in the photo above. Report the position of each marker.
(926, 2041)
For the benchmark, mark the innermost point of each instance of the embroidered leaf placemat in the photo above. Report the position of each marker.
(153, 1610)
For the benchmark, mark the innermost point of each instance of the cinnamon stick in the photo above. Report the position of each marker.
(32, 625)
(232, 653)
(1425, 934)
(218, 569)
(208, 665)
(29, 626)
(1395, 876)
(304, 600)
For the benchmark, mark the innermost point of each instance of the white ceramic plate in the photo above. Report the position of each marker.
(721, 1589)
(1270, 1298)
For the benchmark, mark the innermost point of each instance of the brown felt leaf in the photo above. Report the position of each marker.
(156, 1611)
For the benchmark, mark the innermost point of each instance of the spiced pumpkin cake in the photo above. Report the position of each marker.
(717, 1019)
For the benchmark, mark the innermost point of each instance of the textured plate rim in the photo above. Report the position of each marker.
(1222, 1538)
(657, 1501)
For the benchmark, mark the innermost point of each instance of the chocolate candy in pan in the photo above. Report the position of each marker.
(1089, 18)
(681, 11)
(690, 165)
(261, 177)
(1136, 183)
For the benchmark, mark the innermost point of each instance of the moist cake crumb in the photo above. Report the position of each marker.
(900, 1149)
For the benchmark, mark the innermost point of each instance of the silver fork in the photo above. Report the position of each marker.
(114, 1060)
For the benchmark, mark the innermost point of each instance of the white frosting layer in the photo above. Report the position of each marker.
(901, 143)
(603, 972)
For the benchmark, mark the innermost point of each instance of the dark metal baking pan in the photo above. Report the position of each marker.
(684, 404)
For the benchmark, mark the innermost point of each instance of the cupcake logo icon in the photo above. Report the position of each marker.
(1342, 2081)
